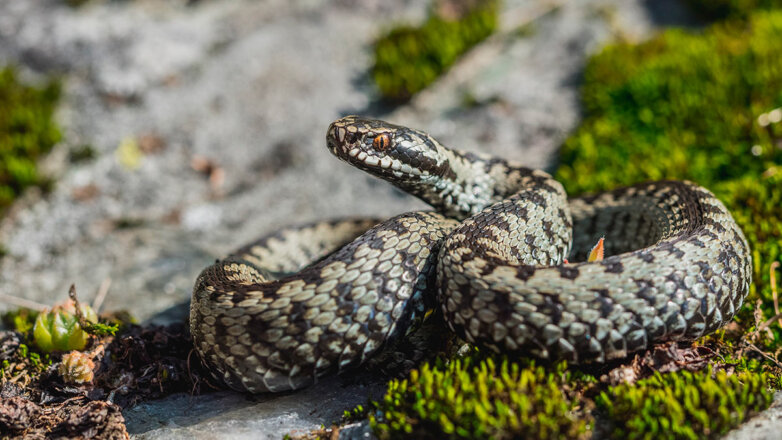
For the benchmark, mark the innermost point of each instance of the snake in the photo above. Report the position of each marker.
(502, 256)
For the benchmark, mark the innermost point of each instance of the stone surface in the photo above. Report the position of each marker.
(236, 416)
(208, 121)
(765, 426)
(251, 90)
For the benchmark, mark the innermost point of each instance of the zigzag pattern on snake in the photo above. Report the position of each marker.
(309, 301)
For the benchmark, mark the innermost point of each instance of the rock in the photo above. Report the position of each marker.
(356, 431)
(235, 416)
(764, 426)
(236, 83)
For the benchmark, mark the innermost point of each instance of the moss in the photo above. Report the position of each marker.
(23, 364)
(360, 412)
(722, 9)
(684, 405)
(20, 320)
(407, 58)
(82, 153)
(490, 398)
(27, 130)
(679, 106)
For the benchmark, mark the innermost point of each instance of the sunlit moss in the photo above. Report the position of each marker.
(29, 364)
(722, 9)
(679, 106)
(407, 58)
(20, 320)
(684, 405)
(490, 398)
(27, 130)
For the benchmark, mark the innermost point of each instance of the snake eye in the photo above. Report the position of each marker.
(381, 142)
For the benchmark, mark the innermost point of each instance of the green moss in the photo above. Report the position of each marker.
(691, 106)
(679, 106)
(82, 153)
(25, 365)
(491, 398)
(721, 9)
(684, 405)
(407, 59)
(27, 130)
(360, 412)
(20, 320)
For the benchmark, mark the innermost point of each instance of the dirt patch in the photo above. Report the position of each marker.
(139, 364)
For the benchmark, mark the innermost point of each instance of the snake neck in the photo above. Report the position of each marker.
(456, 183)
(469, 182)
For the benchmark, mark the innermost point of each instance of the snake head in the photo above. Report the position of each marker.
(388, 151)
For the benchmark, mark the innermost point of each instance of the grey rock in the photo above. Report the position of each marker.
(253, 92)
(356, 431)
(765, 426)
(236, 416)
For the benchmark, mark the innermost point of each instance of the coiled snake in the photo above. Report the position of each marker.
(304, 302)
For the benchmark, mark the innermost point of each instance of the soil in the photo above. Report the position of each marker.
(142, 363)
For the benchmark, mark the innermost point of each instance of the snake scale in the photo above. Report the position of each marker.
(309, 301)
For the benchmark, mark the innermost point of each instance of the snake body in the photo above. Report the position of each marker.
(309, 301)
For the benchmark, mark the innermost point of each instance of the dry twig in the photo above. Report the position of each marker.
(103, 290)
(773, 280)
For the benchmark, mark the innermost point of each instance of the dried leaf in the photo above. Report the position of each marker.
(596, 254)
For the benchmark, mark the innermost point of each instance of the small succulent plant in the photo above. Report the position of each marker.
(59, 329)
(77, 368)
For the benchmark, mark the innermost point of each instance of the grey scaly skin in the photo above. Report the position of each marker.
(677, 268)
(259, 334)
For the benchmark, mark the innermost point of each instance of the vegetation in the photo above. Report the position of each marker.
(76, 367)
(490, 398)
(407, 58)
(59, 329)
(721, 9)
(27, 131)
(684, 405)
(27, 364)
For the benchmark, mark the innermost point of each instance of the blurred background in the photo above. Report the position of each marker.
(142, 139)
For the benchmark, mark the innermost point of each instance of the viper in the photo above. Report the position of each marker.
(502, 256)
